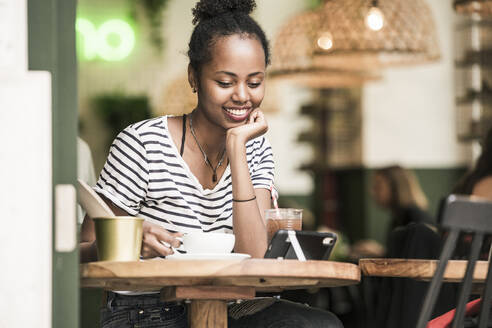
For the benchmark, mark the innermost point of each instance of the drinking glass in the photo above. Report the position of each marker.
(282, 218)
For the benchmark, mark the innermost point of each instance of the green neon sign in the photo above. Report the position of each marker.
(114, 40)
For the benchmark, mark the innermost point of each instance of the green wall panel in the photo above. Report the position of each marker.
(90, 304)
(352, 185)
(51, 47)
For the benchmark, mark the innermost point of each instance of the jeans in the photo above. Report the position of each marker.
(146, 311)
(142, 311)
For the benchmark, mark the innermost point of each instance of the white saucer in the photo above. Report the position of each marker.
(209, 256)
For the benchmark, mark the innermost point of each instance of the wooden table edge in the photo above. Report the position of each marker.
(345, 273)
(419, 269)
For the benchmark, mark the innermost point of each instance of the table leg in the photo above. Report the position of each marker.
(208, 314)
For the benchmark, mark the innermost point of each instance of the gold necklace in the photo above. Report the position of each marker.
(205, 157)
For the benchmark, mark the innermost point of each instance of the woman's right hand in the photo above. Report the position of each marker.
(255, 126)
(152, 239)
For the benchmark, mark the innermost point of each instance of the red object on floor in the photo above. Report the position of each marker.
(445, 320)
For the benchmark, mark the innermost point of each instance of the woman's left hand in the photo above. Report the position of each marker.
(255, 126)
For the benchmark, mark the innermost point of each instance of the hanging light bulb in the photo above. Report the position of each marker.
(325, 41)
(375, 18)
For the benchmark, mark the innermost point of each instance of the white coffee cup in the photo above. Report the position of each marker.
(208, 242)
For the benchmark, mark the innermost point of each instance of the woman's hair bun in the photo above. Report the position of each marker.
(206, 9)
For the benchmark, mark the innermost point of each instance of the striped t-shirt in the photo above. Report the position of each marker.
(145, 175)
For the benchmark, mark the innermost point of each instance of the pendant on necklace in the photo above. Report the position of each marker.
(214, 177)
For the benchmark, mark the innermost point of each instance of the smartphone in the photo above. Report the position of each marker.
(301, 245)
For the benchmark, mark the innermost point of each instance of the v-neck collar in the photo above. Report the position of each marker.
(185, 166)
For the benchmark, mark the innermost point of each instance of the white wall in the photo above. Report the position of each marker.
(25, 199)
(25, 196)
(13, 42)
(409, 116)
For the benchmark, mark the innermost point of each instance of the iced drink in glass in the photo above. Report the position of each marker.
(282, 218)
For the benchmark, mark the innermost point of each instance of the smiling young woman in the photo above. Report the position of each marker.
(210, 171)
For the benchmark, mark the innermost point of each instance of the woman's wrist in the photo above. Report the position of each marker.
(234, 143)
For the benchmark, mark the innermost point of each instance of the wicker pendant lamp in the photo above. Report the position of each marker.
(371, 34)
(293, 54)
(468, 7)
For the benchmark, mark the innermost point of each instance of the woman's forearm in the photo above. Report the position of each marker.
(248, 223)
(88, 251)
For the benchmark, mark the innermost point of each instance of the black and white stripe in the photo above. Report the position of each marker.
(145, 176)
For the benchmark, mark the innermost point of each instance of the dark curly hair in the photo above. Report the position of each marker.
(219, 18)
(482, 169)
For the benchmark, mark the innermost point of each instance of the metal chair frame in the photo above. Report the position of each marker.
(462, 214)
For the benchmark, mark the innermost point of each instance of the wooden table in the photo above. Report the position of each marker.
(209, 284)
(421, 269)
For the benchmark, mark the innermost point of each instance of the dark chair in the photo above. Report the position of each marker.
(399, 300)
(461, 214)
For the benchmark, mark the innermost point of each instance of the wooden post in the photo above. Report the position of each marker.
(208, 308)
(208, 314)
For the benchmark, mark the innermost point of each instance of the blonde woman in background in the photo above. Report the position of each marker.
(398, 190)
